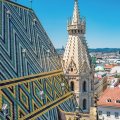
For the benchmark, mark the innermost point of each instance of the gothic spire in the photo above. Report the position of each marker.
(76, 15)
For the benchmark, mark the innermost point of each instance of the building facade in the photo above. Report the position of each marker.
(108, 113)
(108, 105)
(76, 61)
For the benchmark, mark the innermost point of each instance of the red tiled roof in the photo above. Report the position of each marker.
(108, 66)
(110, 93)
(118, 85)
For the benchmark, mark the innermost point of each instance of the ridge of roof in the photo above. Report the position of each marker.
(17, 4)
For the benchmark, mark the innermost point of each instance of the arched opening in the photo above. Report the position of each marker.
(72, 86)
(81, 31)
(84, 86)
(84, 104)
(71, 69)
(75, 31)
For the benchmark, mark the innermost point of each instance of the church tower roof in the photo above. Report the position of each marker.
(76, 49)
(76, 15)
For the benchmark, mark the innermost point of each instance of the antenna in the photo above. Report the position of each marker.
(31, 4)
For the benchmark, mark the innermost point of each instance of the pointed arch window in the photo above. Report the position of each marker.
(72, 86)
(72, 31)
(71, 69)
(84, 104)
(84, 86)
(81, 31)
(75, 31)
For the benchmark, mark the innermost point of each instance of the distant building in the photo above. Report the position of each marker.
(109, 104)
(113, 82)
(108, 67)
(99, 68)
(115, 69)
(113, 60)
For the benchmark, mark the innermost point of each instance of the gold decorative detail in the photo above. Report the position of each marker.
(61, 99)
(30, 78)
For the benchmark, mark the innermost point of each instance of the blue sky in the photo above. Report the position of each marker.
(102, 17)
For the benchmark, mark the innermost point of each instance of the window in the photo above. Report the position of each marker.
(71, 69)
(84, 86)
(108, 114)
(84, 104)
(72, 86)
(75, 31)
(72, 31)
(117, 101)
(109, 100)
(116, 115)
(100, 112)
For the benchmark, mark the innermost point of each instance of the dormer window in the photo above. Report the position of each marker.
(109, 100)
(8, 14)
(34, 21)
(117, 101)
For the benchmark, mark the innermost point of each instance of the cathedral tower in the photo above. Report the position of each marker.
(76, 63)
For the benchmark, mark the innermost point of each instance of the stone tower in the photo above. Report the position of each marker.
(76, 63)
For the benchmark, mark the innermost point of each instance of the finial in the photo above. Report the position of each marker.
(76, 0)
(76, 16)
